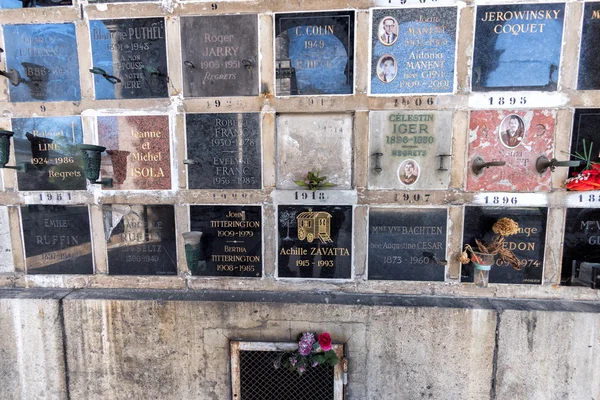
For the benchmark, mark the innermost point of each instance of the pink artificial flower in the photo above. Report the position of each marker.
(325, 341)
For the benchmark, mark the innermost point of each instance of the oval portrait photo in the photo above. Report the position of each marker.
(408, 172)
(512, 131)
(388, 31)
(387, 68)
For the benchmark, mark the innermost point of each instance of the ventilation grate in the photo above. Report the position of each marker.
(255, 378)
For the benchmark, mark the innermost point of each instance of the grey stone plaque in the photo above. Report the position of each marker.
(223, 151)
(410, 149)
(314, 143)
(220, 55)
(6, 254)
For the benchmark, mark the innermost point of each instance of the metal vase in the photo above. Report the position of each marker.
(192, 250)
(91, 160)
(5, 147)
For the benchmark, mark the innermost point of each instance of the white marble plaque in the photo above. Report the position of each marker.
(6, 254)
(314, 143)
(410, 149)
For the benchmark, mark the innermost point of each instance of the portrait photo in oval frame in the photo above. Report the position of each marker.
(388, 31)
(511, 131)
(387, 68)
(408, 172)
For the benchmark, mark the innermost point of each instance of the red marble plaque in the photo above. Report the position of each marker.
(516, 137)
(138, 155)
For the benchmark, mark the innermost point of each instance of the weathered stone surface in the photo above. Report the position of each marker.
(410, 359)
(31, 350)
(548, 355)
(314, 143)
(6, 254)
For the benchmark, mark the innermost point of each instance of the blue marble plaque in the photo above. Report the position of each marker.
(45, 56)
(134, 51)
(48, 146)
(33, 3)
(413, 50)
(589, 68)
(314, 53)
(517, 47)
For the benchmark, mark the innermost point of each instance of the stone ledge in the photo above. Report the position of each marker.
(388, 300)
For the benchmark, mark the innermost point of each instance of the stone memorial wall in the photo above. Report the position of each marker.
(430, 120)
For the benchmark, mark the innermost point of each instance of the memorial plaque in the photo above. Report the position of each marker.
(589, 69)
(407, 245)
(138, 155)
(6, 254)
(410, 149)
(231, 240)
(225, 151)
(320, 142)
(48, 148)
(46, 58)
(586, 124)
(413, 50)
(121, 1)
(517, 46)
(518, 138)
(134, 51)
(220, 55)
(314, 53)
(140, 239)
(33, 3)
(527, 245)
(581, 249)
(57, 239)
(314, 242)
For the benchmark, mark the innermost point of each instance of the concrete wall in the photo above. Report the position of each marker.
(118, 344)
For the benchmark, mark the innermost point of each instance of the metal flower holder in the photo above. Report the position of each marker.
(91, 163)
(192, 250)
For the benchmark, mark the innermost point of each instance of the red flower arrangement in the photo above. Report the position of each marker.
(589, 178)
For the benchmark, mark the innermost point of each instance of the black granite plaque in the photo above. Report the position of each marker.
(581, 244)
(315, 242)
(407, 245)
(48, 149)
(231, 240)
(517, 46)
(527, 245)
(586, 124)
(314, 53)
(225, 151)
(589, 68)
(220, 55)
(134, 51)
(140, 239)
(57, 239)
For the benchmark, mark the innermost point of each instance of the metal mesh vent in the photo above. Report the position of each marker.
(261, 381)
(253, 376)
